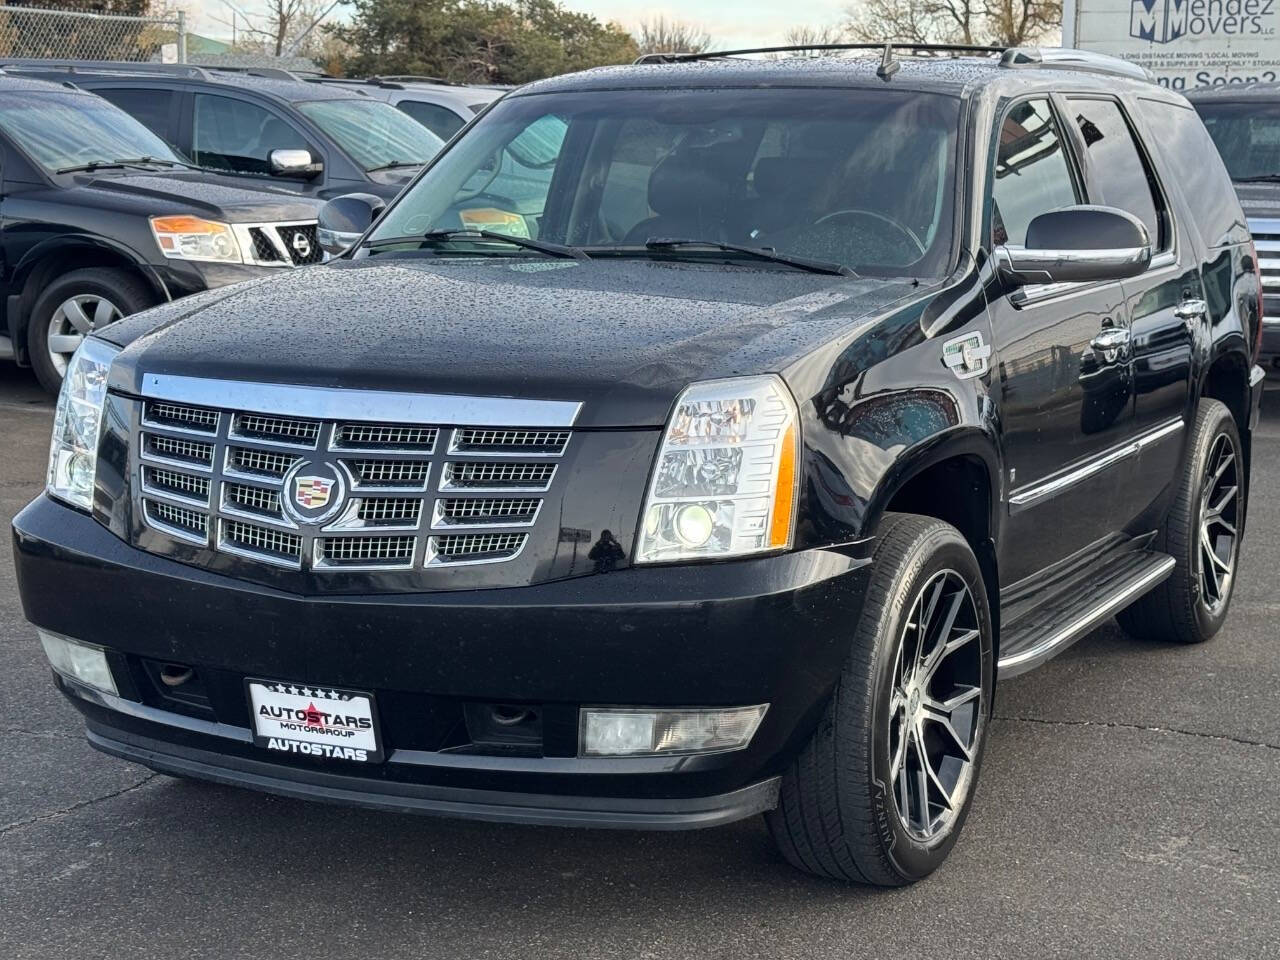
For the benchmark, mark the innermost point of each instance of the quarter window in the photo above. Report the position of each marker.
(1119, 171)
(1032, 173)
(441, 121)
(238, 136)
(150, 107)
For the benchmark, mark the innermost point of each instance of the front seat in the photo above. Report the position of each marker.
(689, 197)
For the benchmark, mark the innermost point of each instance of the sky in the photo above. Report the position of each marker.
(731, 24)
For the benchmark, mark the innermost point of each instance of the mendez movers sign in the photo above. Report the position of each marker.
(1185, 43)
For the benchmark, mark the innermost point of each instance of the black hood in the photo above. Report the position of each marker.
(192, 192)
(1259, 199)
(622, 336)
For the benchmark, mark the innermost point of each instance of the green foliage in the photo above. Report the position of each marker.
(478, 41)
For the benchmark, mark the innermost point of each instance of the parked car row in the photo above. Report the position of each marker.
(126, 185)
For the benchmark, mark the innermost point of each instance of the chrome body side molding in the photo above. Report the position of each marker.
(1025, 496)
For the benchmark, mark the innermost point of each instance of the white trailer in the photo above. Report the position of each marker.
(1185, 43)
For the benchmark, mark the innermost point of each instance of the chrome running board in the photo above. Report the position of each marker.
(1028, 646)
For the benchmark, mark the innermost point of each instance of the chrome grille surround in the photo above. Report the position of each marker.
(224, 490)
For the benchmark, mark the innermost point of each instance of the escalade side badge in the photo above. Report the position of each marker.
(967, 356)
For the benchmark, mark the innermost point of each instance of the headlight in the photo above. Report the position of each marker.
(190, 238)
(73, 454)
(724, 484)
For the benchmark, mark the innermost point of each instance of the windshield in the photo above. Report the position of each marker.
(60, 130)
(860, 178)
(1247, 135)
(375, 134)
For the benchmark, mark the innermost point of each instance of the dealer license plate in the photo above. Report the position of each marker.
(311, 721)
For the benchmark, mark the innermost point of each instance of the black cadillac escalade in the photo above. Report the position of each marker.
(720, 462)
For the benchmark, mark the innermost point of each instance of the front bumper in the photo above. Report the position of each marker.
(182, 278)
(769, 630)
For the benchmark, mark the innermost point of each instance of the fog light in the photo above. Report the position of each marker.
(78, 661)
(615, 733)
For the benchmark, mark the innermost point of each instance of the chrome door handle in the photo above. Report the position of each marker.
(1191, 310)
(1110, 342)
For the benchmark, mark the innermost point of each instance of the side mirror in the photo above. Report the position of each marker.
(343, 220)
(294, 163)
(1083, 244)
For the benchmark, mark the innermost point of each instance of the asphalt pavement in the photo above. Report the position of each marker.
(1128, 808)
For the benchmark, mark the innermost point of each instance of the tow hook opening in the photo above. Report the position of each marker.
(175, 675)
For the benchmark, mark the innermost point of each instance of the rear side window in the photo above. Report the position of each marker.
(152, 108)
(238, 136)
(1120, 173)
(1032, 175)
(1184, 144)
(441, 121)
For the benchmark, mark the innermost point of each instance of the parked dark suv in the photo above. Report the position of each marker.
(812, 397)
(443, 108)
(100, 219)
(265, 127)
(1244, 122)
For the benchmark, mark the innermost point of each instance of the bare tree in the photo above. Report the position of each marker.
(661, 35)
(272, 26)
(997, 22)
(810, 38)
(1012, 23)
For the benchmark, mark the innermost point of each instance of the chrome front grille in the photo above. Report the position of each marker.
(405, 496)
(292, 244)
(1266, 237)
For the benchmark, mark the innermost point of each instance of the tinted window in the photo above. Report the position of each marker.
(1246, 134)
(1186, 148)
(375, 134)
(441, 121)
(152, 108)
(1032, 173)
(866, 179)
(1119, 171)
(239, 136)
(68, 129)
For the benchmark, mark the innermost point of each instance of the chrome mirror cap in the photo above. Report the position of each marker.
(1024, 267)
(1079, 244)
(294, 163)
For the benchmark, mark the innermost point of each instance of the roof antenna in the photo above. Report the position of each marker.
(888, 65)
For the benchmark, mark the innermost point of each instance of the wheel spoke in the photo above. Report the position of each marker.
(76, 316)
(1228, 494)
(1227, 460)
(943, 792)
(65, 342)
(950, 647)
(926, 618)
(104, 314)
(922, 786)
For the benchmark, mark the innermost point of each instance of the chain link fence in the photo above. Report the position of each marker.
(31, 32)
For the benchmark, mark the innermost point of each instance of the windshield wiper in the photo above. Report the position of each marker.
(759, 253)
(1261, 178)
(140, 162)
(394, 165)
(447, 236)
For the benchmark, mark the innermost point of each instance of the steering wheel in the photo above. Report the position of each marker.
(464, 196)
(900, 227)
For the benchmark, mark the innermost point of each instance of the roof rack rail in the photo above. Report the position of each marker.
(924, 49)
(1071, 59)
(264, 73)
(33, 64)
(414, 78)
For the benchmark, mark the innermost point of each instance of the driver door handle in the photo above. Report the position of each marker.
(1110, 342)
(1191, 310)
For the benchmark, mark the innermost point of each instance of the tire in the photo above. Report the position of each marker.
(1187, 607)
(55, 328)
(840, 808)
